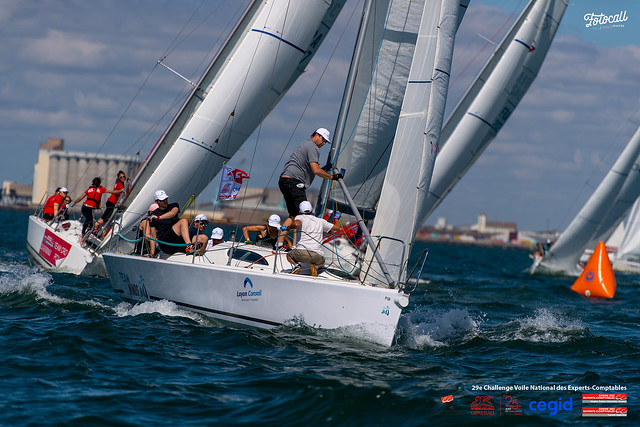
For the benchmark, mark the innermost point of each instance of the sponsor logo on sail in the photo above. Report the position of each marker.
(604, 412)
(447, 399)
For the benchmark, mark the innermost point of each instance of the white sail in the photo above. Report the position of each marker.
(493, 96)
(629, 249)
(373, 107)
(567, 250)
(621, 206)
(414, 150)
(263, 57)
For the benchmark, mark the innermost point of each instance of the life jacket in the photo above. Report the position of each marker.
(51, 201)
(114, 197)
(94, 194)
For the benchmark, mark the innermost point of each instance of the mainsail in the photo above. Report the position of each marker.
(493, 96)
(566, 252)
(268, 50)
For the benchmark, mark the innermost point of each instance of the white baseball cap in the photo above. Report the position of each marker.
(217, 233)
(324, 134)
(160, 195)
(201, 217)
(305, 207)
(274, 221)
(64, 190)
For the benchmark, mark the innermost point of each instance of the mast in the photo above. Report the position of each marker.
(338, 134)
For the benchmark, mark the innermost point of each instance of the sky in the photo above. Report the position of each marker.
(87, 72)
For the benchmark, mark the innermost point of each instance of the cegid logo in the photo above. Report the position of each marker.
(553, 406)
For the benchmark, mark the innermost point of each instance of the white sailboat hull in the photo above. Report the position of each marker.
(258, 297)
(60, 250)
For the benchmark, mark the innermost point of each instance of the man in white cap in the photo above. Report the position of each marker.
(309, 247)
(169, 228)
(217, 237)
(299, 171)
(196, 231)
(266, 234)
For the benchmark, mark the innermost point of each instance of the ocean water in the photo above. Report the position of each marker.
(479, 328)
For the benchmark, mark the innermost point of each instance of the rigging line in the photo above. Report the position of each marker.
(113, 129)
(486, 43)
(324, 70)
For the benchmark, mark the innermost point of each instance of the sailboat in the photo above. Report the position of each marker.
(242, 285)
(627, 258)
(599, 217)
(226, 105)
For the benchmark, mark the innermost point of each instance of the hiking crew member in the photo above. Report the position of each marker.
(54, 203)
(93, 194)
(111, 202)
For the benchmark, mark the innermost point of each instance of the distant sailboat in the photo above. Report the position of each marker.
(627, 258)
(599, 217)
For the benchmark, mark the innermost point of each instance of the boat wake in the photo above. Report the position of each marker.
(437, 328)
(20, 279)
(543, 327)
(163, 307)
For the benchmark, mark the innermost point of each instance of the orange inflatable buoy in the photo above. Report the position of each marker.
(597, 279)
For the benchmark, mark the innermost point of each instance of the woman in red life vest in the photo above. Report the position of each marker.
(53, 204)
(111, 202)
(93, 195)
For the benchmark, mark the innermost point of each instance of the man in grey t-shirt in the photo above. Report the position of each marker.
(299, 171)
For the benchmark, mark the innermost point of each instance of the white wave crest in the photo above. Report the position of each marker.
(163, 307)
(437, 328)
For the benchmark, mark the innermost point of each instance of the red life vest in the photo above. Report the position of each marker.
(94, 194)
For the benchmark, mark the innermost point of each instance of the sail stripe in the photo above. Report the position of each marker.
(481, 119)
(279, 38)
(443, 71)
(206, 148)
(420, 81)
(523, 43)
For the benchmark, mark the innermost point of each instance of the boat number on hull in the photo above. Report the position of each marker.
(248, 293)
(137, 290)
(385, 310)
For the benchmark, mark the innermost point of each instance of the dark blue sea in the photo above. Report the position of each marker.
(524, 349)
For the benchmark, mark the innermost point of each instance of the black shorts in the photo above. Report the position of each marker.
(170, 236)
(293, 195)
